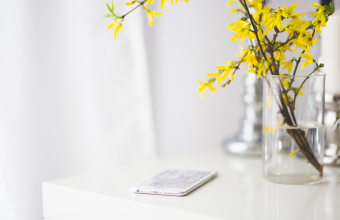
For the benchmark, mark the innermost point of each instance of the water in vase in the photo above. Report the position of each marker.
(283, 162)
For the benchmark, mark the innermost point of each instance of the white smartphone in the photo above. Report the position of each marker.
(174, 182)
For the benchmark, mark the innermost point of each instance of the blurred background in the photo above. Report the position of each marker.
(74, 100)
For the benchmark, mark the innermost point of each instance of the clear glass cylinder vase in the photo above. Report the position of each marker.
(293, 128)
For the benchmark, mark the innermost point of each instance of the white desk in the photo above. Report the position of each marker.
(238, 193)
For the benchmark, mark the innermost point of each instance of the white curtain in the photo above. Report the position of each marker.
(72, 99)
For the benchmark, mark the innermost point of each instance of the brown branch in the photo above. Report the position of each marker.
(286, 42)
(140, 4)
(255, 29)
(297, 91)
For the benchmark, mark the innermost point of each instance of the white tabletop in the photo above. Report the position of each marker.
(238, 193)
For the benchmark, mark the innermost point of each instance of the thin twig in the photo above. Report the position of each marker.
(298, 90)
(236, 68)
(140, 4)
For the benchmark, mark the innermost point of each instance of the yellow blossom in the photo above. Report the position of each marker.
(117, 27)
(265, 14)
(288, 65)
(308, 58)
(297, 44)
(164, 2)
(203, 86)
(130, 3)
(293, 153)
(320, 17)
(285, 80)
(284, 96)
(277, 17)
(270, 100)
(148, 2)
(251, 70)
(308, 40)
(279, 56)
(256, 4)
(288, 13)
(150, 14)
(298, 90)
(296, 25)
(261, 34)
(249, 58)
(231, 1)
(270, 23)
(217, 76)
(267, 129)
(234, 10)
(261, 70)
(242, 29)
(227, 70)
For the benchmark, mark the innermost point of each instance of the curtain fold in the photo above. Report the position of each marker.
(72, 99)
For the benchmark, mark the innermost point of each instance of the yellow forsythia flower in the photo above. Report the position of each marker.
(230, 1)
(130, 3)
(307, 39)
(320, 17)
(285, 80)
(279, 56)
(308, 58)
(267, 129)
(242, 29)
(148, 2)
(285, 99)
(288, 65)
(234, 10)
(217, 76)
(227, 70)
(261, 70)
(298, 90)
(265, 14)
(117, 27)
(278, 17)
(203, 86)
(293, 153)
(270, 100)
(256, 4)
(288, 13)
(163, 2)
(150, 14)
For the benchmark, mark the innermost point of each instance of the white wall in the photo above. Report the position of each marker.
(185, 43)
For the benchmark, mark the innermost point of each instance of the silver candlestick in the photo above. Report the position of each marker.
(332, 115)
(248, 140)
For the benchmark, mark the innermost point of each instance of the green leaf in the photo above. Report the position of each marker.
(107, 15)
(332, 7)
(328, 9)
(113, 7)
(115, 15)
(108, 7)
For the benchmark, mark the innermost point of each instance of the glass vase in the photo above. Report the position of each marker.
(293, 128)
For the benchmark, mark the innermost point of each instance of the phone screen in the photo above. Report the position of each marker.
(176, 179)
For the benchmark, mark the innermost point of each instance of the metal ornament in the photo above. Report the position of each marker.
(332, 129)
(248, 140)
